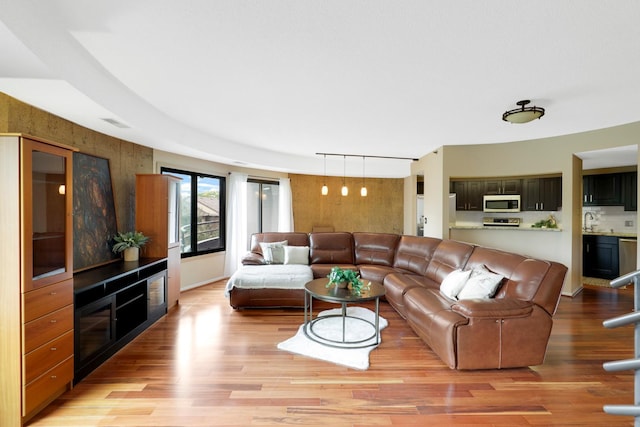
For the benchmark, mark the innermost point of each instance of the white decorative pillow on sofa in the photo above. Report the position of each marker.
(296, 255)
(273, 252)
(454, 282)
(481, 284)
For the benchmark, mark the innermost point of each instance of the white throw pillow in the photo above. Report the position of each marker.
(454, 282)
(273, 252)
(481, 284)
(296, 255)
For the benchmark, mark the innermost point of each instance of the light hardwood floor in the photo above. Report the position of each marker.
(205, 364)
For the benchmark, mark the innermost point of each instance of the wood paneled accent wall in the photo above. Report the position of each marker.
(381, 211)
(125, 158)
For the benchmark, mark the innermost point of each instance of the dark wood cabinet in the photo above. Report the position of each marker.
(468, 195)
(602, 190)
(600, 257)
(503, 186)
(630, 191)
(542, 194)
(113, 304)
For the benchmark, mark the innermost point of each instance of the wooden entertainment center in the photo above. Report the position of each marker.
(113, 304)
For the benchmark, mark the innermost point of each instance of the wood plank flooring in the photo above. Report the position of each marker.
(205, 364)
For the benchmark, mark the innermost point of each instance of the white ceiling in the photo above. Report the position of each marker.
(269, 83)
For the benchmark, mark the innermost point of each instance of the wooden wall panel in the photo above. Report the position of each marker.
(381, 211)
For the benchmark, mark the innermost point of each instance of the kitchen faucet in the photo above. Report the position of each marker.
(590, 215)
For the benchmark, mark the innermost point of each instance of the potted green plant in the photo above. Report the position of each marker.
(130, 243)
(342, 278)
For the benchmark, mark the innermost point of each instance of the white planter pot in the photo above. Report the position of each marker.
(131, 254)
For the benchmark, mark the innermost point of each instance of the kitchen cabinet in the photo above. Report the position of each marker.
(36, 270)
(602, 190)
(503, 186)
(468, 195)
(600, 256)
(158, 216)
(630, 191)
(542, 194)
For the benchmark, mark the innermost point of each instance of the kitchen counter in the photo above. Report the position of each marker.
(498, 227)
(609, 233)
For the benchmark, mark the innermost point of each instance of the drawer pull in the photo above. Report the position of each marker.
(53, 377)
(54, 348)
(53, 293)
(53, 321)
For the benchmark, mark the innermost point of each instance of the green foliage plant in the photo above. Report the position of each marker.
(351, 277)
(129, 239)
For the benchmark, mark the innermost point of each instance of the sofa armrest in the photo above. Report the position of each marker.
(252, 258)
(493, 308)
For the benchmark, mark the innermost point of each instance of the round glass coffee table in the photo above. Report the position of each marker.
(317, 289)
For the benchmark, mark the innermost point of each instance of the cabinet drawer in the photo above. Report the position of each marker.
(48, 386)
(47, 356)
(46, 328)
(47, 299)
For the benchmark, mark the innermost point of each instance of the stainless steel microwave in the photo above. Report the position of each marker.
(501, 203)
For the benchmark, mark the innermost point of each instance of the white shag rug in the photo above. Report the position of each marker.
(356, 358)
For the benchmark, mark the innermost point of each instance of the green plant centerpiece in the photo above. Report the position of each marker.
(130, 243)
(343, 278)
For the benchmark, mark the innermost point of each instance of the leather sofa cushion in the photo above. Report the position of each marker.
(414, 253)
(375, 248)
(293, 239)
(331, 248)
(448, 256)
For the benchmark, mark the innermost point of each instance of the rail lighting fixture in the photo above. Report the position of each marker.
(363, 190)
(523, 114)
(345, 189)
(325, 189)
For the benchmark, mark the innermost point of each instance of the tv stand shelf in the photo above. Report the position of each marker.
(113, 304)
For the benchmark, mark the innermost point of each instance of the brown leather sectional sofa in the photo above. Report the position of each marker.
(509, 330)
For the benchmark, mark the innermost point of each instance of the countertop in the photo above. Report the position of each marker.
(610, 233)
(498, 227)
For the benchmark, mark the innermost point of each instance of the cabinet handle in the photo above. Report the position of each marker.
(53, 293)
(591, 197)
(585, 197)
(541, 206)
(54, 348)
(53, 321)
(53, 377)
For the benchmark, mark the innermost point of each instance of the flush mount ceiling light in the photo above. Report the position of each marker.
(523, 114)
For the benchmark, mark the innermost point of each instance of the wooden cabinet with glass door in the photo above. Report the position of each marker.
(36, 275)
(158, 216)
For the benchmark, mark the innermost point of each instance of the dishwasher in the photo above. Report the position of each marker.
(627, 249)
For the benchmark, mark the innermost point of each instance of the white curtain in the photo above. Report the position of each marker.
(237, 239)
(285, 208)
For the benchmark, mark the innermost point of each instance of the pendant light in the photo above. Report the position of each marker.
(363, 190)
(325, 189)
(345, 190)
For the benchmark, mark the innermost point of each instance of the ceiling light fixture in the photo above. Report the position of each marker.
(345, 190)
(523, 114)
(363, 190)
(325, 189)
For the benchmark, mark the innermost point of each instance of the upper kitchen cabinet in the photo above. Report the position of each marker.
(503, 186)
(630, 191)
(468, 194)
(602, 190)
(542, 194)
